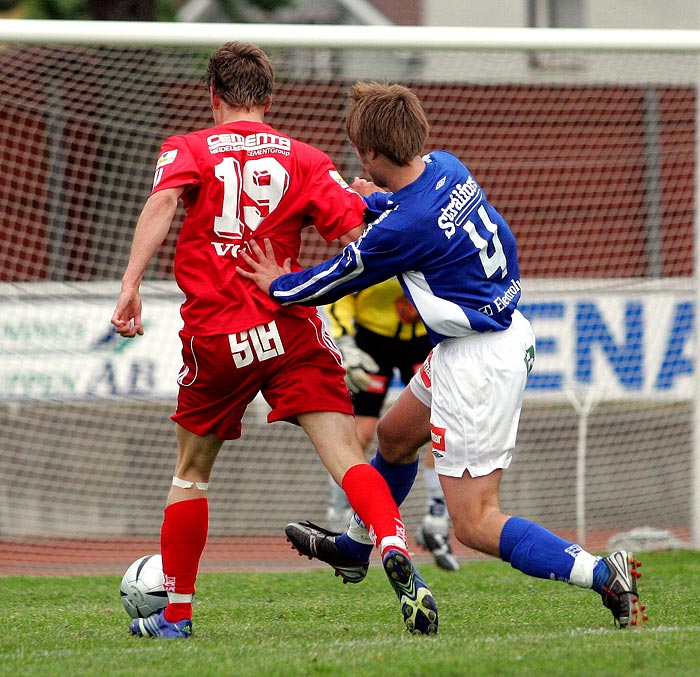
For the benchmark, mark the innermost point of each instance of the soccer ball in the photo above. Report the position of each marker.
(142, 590)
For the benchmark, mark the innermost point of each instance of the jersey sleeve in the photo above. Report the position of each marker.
(176, 165)
(377, 203)
(334, 207)
(374, 257)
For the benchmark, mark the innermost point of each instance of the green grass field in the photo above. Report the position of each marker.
(493, 621)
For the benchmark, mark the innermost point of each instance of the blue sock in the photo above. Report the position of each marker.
(400, 478)
(536, 551)
(601, 573)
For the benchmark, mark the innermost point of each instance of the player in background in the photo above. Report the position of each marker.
(456, 259)
(240, 179)
(378, 330)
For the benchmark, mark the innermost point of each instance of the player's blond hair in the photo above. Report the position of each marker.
(388, 119)
(240, 74)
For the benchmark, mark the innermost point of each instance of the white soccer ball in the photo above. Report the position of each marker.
(142, 590)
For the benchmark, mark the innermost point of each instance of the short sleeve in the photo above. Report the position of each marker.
(176, 165)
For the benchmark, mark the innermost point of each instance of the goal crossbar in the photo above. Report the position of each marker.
(145, 33)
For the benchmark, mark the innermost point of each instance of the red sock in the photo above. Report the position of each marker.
(371, 499)
(182, 540)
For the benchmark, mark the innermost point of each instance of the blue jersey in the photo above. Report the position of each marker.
(453, 253)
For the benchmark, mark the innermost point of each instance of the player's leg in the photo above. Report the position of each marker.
(333, 436)
(405, 426)
(433, 531)
(183, 534)
(338, 512)
(477, 445)
(207, 402)
(476, 390)
(309, 387)
(196, 457)
(480, 524)
(186, 520)
(367, 405)
(322, 407)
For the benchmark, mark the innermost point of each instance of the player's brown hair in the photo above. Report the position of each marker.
(240, 74)
(388, 119)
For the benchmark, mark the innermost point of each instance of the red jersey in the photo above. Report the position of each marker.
(244, 180)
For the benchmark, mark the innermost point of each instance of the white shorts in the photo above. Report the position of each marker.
(474, 387)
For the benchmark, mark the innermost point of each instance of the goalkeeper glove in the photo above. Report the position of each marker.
(359, 366)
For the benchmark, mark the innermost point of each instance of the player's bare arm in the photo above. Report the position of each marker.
(151, 229)
(264, 266)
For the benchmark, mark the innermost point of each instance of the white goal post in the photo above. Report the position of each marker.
(317, 36)
(587, 141)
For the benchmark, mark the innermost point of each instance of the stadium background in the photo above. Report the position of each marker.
(596, 178)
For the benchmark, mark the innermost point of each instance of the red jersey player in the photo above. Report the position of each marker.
(238, 180)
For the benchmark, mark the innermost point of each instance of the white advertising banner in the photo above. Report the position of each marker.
(620, 339)
(56, 344)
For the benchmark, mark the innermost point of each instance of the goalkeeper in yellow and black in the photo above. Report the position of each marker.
(378, 331)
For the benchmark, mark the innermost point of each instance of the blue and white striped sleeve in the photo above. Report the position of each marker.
(361, 264)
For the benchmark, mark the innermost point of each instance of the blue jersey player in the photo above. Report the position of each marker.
(456, 259)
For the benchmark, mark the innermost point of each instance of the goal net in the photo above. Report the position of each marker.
(589, 154)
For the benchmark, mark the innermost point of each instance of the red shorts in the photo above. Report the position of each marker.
(292, 361)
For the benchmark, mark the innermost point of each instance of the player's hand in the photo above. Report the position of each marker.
(364, 187)
(127, 315)
(265, 268)
(359, 365)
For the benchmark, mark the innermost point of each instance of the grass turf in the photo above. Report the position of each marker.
(493, 621)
